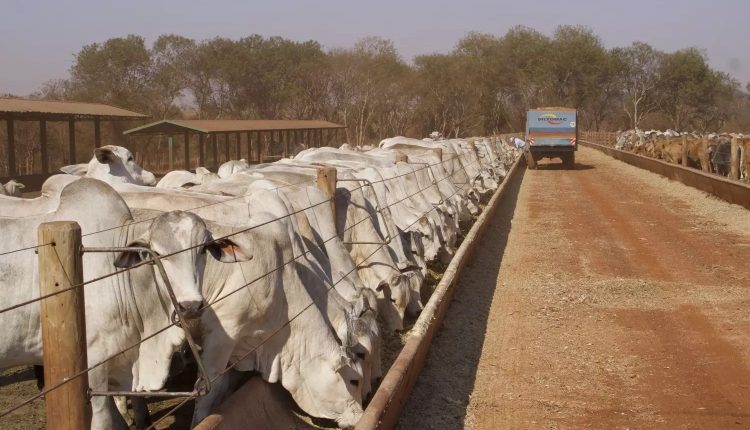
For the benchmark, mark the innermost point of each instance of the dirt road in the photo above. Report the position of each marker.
(620, 301)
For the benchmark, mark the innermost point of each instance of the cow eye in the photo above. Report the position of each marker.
(130, 159)
(354, 382)
(393, 300)
(147, 256)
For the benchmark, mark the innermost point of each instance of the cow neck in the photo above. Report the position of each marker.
(137, 288)
(215, 278)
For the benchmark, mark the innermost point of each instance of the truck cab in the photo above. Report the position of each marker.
(551, 132)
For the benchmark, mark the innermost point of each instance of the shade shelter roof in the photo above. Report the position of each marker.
(50, 110)
(206, 126)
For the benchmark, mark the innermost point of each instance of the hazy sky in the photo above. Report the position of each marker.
(39, 38)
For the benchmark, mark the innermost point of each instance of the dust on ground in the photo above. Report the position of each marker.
(603, 297)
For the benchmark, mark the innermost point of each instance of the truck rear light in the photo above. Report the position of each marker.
(531, 141)
(573, 141)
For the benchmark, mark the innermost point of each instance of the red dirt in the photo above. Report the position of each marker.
(618, 301)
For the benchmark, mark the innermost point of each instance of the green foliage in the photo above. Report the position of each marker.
(486, 84)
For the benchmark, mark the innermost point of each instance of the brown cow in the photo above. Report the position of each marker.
(669, 149)
(744, 144)
(698, 153)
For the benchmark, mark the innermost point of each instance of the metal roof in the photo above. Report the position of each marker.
(174, 126)
(48, 108)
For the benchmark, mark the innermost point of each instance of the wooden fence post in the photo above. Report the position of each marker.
(186, 166)
(63, 326)
(201, 150)
(326, 181)
(43, 145)
(11, 148)
(171, 153)
(684, 151)
(97, 132)
(72, 140)
(734, 172)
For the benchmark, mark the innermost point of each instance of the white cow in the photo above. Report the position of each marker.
(231, 167)
(251, 304)
(121, 310)
(452, 160)
(112, 164)
(184, 179)
(375, 266)
(389, 187)
(357, 224)
(12, 188)
(432, 156)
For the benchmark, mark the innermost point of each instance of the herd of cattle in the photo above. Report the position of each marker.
(280, 277)
(708, 152)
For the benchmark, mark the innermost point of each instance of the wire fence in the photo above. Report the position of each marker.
(156, 260)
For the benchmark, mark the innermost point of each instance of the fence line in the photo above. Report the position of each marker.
(328, 290)
(601, 137)
(174, 323)
(79, 285)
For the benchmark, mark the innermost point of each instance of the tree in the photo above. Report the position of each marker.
(485, 85)
(115, 72)
(640, 73)
(690, 91)
(169, 72)
(362, 81)
(530, 81)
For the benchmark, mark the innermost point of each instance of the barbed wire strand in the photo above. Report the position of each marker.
(309, 305)
(333, 284)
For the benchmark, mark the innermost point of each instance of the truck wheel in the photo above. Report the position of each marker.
(569, 160)
(530, 161)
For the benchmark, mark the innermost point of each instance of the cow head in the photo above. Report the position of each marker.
(115, 164)
(14, 188)
(415, 279)
(424, 240)
(393, 298)
(332, 390)
(183, 240)
(461, 205)
(231, 167)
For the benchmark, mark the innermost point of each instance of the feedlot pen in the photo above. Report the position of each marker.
(602, 297)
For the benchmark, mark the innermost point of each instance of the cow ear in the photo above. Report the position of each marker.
(128, 259)
(75, 169)
(384, 289)
(104, 155)
(226, 251)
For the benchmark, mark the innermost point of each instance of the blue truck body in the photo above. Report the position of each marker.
(552, 133)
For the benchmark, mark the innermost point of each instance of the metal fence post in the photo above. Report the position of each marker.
(63, 326)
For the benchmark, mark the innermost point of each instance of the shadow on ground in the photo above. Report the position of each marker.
(441, 395)
(559, 166)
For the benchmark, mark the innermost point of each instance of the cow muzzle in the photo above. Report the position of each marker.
(405, 266)
(191, 308)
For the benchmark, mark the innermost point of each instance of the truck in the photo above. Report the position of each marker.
(551, 132)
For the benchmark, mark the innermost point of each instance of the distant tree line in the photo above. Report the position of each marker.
(484, 85)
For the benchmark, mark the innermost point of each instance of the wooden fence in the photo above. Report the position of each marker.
(608, 138)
